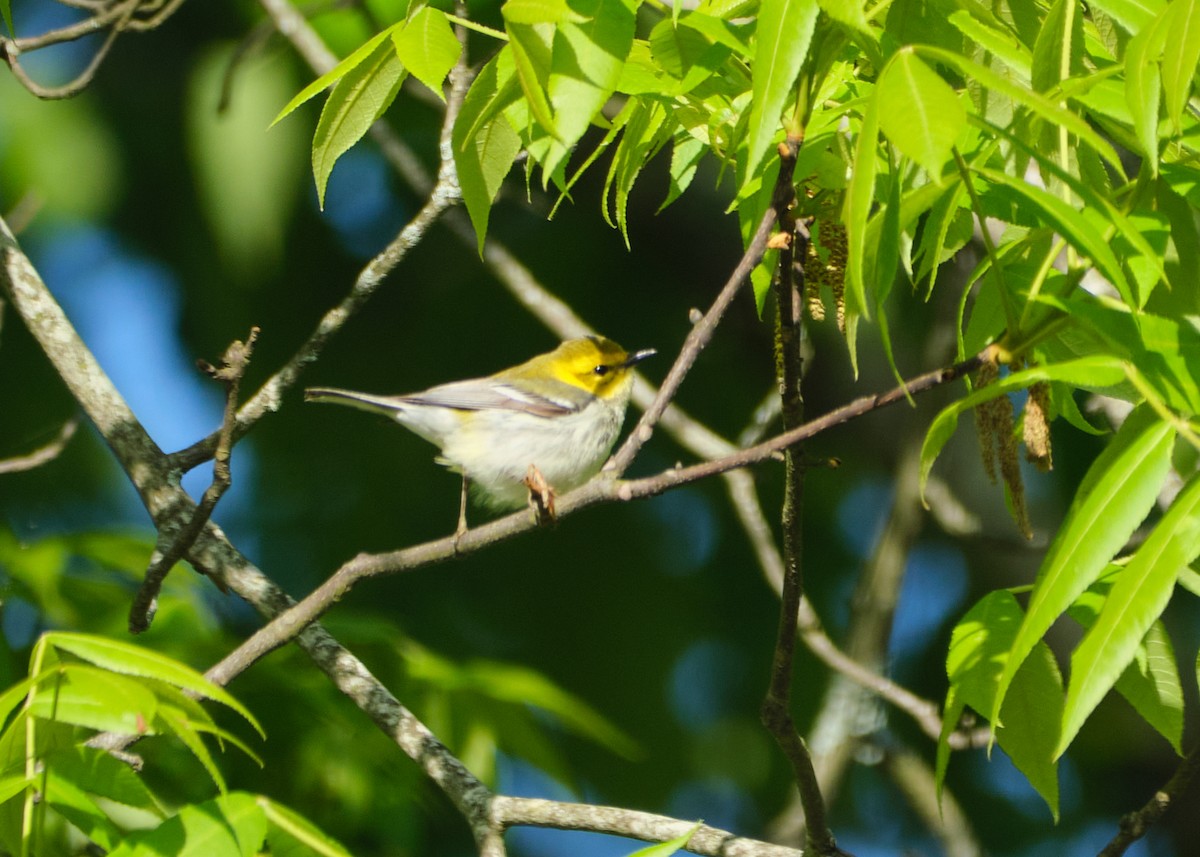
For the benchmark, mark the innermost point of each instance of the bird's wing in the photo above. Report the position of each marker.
(487, 394)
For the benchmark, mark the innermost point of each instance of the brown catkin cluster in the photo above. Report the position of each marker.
(1036, 427)
(825, 265)
(994, 420)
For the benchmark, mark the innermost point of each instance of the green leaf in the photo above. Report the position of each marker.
(292, 835)
(360, 97)
(1164, 351)
(935, 246)
(1114, 498)
(1138, 597)
(1133, 15)
(355, 59)
(685, 158)
(100, 773)
(231, 825)
(6, 14)
(1181, 52)
(79, 809)
(859, 196)
(126, 658)
(978, 647)
(585, 68)
(95, 699)
(1071, 224)
(1048, 111)
(532, 49)
(850, 13)
(1002, 44)
(677, 49)
(175, 720)
(427, 48)
(1056, 51)
(719, 31)
(539, 12)
(918, 111)
(1151, 684)
(483, 154)
(12, 786)
(1092, 371)
(666, 849)
(1143, 86)
(785, 28)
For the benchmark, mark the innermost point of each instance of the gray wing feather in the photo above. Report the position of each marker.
(485, 394)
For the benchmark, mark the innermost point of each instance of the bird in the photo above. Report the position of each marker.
(544, 426)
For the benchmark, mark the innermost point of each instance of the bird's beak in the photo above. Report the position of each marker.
(638, 357)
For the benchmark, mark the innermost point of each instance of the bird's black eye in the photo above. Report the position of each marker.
(601, 370)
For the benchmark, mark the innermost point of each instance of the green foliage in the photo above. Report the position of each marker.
(80, 684)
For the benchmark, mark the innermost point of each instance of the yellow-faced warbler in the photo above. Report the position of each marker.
(553, 418)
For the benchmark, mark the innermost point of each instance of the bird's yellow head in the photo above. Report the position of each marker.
(591, 363)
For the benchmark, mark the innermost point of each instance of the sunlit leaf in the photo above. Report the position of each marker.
(483, 154)
(539, 12)
(1150, 683)
(1143, 85)
(1181, 52)
(1138, 596)
(126, 658)
(975, 659)
(427, 48)
(95, 699)
(358, 98)
(585, 68)
(1133, 15)
(859, 196)
(352, 61)
(918, 111)
(1112, 501)
(1000, 43)
(785, 28)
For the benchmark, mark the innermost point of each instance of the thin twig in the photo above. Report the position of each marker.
(776, 706)
(43, 454)
(1135, 825)
(11, 51)
(235, 362)
(699, 336)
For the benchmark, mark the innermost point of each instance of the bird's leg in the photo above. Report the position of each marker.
(461, 529)
(541, 496)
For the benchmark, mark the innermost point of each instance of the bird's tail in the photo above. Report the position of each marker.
(376, 404)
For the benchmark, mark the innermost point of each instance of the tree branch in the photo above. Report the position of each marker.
(1135, 825)
(776, 706)
(43, 454)
(235, 363)
(509, 812)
